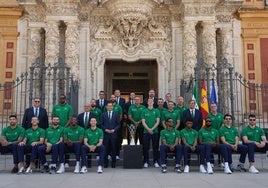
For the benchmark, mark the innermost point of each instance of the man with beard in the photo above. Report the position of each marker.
(96, 111)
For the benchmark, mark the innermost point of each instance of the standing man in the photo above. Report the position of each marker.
(170, 142)
(193, 113)
(54, 144)
(134, 116)
(33, 139)
(215, 116)
(160, 104)
(171, 113)
(110, 123)
(101, 102)
(168, 98)
(253, 136)
(209, 138)
(126, 108)
(150, 120)
(230, 137)
(96, 111)
(93, 142)
(10, 137)
(83, 119)
(151, 95)
(189, 137)
(73, 137)
(37, 111)
(181, 108)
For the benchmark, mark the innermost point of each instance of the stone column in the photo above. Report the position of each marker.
(227, 47)
(52, 42)
(34, 47)
(209, 42)
(72, 48)
(189, 48)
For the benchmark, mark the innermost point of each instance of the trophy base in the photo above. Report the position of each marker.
(132, 157)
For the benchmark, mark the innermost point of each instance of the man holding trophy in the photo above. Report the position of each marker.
(135, 127)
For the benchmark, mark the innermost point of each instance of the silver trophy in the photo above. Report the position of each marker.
(132, 130)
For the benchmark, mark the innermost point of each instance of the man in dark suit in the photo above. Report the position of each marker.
(193, 113)
(121, 102)
(151, 96)
(101, 102)
(84, 118)
(110, 124)
(168, 98)
(38, 111)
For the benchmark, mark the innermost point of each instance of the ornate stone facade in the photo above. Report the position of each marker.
(132, 30)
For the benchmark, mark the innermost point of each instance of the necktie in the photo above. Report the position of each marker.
(36, 112)
(110, 115)
(86, 120)
(192, 113)
(101, 103)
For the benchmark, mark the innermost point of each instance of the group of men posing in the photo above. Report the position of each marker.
(99, 129)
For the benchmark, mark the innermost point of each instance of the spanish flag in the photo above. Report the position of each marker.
(204, 102)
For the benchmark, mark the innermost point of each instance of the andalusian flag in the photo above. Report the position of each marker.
(204, 102)
(196, 96)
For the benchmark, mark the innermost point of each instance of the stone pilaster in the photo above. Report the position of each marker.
(52, 42)
(189, 48)
(209, 42)
(227, 47)
(34, 48)
(72, 48)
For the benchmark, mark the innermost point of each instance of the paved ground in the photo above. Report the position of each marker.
(128, 178)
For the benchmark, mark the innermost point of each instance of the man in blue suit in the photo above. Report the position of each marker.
(101, 102)
(84, 118)
(110, 124)
(193, 113)
(37, 111)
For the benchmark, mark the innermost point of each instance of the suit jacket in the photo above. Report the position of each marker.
(122, 102)
(99, 106)
(81, 122)
(113, 123)
(29, 113)
(145, 102)
(197, 120)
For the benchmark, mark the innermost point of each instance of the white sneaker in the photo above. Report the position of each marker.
(145, 165)
(117, 157)
(156, 165)
(83, 170)
(100, 169)
(97, 157)
(253, 170)
(109, 157)
(186, 169)
(61, 169)
(21, 170)
(209, 169)
(227, 170)
(77, 169)
(66, 165)
(28, 170)
(202, 169)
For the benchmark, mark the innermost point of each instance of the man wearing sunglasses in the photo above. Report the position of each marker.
(35, 111)
(254, 137)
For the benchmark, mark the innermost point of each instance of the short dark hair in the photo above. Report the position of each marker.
(13, 116)
(251, 116)
(189, 119)
(227, 115)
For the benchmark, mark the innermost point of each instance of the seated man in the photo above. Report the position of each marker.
(189, 138)
(34, 138)
(54, 144)
(10, 137)
(73, 137)
(253, 136)
(170, 142)
(93, 142)
(229, 137)
(209, 137)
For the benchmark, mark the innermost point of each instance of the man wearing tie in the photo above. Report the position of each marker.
(110, 124)
(101, 102)
(193, 113)
(35, 111)
(84, 118)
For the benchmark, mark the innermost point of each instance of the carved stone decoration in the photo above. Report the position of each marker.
(35, 41)
(209, 42)
(227, 47)
(62, 7)
(52, 42)
(189, 48)
(35, 12)
(72, 48)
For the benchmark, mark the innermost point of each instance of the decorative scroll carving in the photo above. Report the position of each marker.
(35, 41)
(209, 42)
(52, 42)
